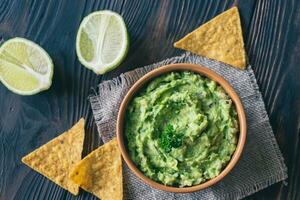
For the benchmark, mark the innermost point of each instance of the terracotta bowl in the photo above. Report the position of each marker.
(202, 71)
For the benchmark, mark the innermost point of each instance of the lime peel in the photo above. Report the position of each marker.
(25, 67)
(102, 41)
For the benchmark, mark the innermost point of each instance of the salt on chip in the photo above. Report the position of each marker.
(100, 172)
(220, 38)
(55, 159)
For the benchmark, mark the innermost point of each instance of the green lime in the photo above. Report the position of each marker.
(102, 41)
(25, 68)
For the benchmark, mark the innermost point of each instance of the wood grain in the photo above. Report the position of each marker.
(271, 30)
(273, 47)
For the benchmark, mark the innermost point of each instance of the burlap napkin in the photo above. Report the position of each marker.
(261, 163)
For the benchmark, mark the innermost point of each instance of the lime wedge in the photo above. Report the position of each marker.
(102, 41)
(25, 68)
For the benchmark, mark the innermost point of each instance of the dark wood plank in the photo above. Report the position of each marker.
(271, 34)
(32, 121)
(273, 48)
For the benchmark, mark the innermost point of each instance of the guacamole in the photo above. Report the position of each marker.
(181, 129)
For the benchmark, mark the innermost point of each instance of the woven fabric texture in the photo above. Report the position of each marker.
(261, 163)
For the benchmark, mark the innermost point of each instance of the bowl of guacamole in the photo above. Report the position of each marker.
(181, 128)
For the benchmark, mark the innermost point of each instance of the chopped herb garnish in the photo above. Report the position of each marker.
(169, 139)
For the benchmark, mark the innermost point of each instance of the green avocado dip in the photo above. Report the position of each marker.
(181, 129)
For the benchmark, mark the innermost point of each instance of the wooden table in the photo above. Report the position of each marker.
(271, 30)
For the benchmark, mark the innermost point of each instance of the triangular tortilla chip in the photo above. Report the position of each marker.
(100, 172)
(56, 158)
(220, 38)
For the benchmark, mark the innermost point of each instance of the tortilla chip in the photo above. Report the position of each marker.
(56, 158)
(220, 38)
(100, 172)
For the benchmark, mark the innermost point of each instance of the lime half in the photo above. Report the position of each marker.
(25, 68)
(102, 41)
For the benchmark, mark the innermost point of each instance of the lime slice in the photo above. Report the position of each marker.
(102, 41)
(25, 68)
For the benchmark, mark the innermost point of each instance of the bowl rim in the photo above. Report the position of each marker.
(202, 71)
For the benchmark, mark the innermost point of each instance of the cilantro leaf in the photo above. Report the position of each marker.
(169, 139)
